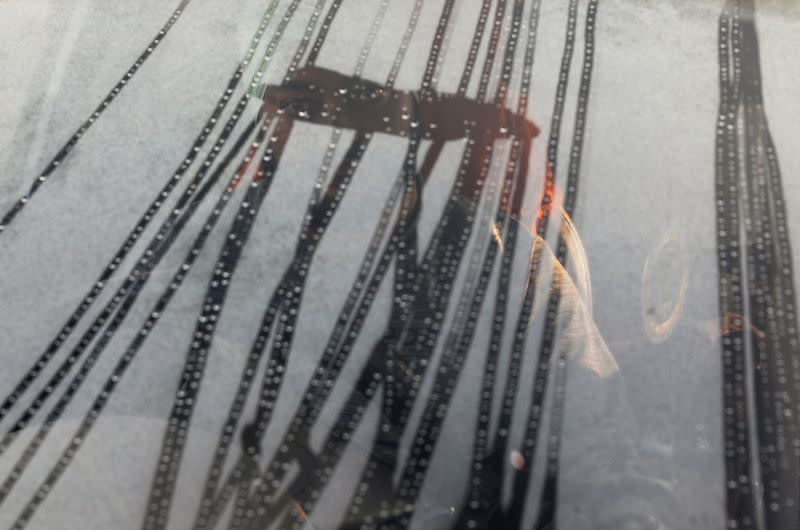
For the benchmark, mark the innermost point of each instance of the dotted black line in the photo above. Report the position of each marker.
(77, 135)
(166, 234)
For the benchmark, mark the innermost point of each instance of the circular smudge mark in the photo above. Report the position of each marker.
(665, 280)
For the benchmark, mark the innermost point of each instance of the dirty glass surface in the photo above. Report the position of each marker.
(391, 264)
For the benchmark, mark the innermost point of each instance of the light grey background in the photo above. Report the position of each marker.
(647, 175)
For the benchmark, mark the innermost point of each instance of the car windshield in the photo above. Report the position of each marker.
(389, 264)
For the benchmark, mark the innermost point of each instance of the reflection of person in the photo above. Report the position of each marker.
(604, 480)
(329, 98)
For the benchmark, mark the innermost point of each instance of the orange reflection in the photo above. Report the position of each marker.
(551, 199)
(736, 323)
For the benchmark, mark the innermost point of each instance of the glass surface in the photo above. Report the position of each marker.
(391, 264)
